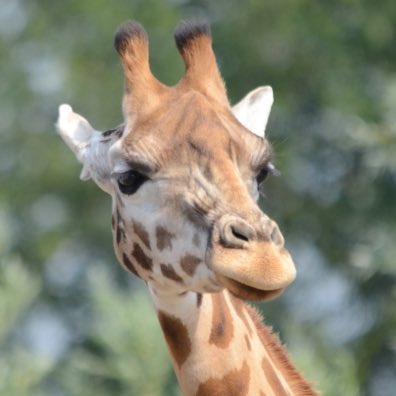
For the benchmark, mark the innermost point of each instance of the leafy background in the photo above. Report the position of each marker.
(71, 321)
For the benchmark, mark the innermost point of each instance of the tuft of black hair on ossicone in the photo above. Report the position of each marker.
(125, 33)
(188, 30)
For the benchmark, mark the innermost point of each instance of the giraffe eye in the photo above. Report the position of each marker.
(129, 182)
(262, 175)
(269, 169)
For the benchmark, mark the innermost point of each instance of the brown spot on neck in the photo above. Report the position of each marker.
(176, 336)
(222, 328)
(234, 383)
(164, 238)
(189, 264)
(169, 272)
(143, 260)
(141, 232)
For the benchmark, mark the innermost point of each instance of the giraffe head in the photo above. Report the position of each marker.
(184, 172)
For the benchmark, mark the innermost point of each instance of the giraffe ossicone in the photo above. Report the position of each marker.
(184, 171)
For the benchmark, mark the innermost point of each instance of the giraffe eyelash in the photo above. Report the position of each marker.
(268, 169)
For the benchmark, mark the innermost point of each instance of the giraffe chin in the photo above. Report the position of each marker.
(246, 292)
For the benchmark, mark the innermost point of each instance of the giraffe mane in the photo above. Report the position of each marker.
(278, 353)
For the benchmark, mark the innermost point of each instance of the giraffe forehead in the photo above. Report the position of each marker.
(212, 146)
(201, 175)
(190, 128)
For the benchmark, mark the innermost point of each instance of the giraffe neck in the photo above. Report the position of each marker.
(220, 347)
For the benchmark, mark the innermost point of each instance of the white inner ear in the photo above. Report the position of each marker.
(75, 130)
(254, 109)
(77, 133)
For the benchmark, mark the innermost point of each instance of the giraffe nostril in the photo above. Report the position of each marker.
(235, 232)
(238, 234)
(277, 237)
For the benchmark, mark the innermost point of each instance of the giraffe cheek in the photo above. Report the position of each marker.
(122, 256)
(126, 261)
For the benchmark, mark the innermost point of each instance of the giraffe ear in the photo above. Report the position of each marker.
(77, 132)
(254, 109)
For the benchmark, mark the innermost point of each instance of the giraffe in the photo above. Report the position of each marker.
(184, 172)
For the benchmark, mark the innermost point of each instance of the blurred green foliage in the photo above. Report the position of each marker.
(124, 351)
(71, 321)
(20, 369)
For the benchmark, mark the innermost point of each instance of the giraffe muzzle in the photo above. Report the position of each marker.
(252, 264)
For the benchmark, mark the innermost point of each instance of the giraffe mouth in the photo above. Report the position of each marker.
(247, 292)
(258, 272)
